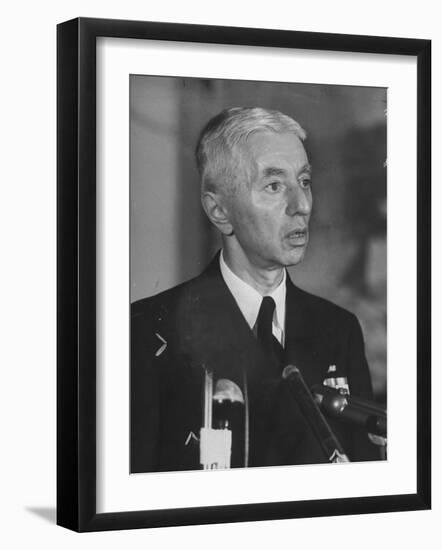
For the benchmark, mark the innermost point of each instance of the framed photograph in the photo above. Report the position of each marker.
(243, 274)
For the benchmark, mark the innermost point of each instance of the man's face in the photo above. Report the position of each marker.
(271, 212)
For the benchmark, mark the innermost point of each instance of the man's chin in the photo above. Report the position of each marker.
(295, 256)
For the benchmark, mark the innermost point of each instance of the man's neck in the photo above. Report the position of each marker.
(261, 279)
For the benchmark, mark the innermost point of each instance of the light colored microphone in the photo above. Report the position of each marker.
(216, 444)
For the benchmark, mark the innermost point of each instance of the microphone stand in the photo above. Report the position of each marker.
(330, 445)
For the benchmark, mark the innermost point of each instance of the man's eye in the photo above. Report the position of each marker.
(274, 186)
(305, 183)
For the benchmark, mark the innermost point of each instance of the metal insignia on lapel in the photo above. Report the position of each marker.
(163, 345)
(338, 383)
(190, 437)
(338, 457)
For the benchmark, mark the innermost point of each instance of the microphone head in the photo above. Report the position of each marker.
(289, 370)
(226, 390)
(331, 400)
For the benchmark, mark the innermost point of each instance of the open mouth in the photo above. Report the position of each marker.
(297, 233)
(298, 236)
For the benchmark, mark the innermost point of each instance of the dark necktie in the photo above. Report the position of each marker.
(264, 331)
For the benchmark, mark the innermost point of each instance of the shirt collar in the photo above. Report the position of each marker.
(249, 300)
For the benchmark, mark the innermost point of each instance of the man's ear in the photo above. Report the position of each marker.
(215, 208)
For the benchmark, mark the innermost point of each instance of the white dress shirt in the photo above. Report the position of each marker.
(249, 300)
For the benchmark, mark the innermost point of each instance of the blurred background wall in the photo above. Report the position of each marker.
(172, 240)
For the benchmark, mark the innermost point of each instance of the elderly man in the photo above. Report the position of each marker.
(242, 320)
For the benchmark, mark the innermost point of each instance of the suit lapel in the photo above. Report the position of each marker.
(214, 333)
(302, 335)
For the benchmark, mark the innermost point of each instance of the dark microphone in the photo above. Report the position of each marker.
(309, 408)
(353, 410)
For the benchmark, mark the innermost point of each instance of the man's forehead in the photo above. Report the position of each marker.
(274, 151)
(266, 140)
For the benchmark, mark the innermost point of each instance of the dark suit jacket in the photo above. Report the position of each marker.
(196, 325)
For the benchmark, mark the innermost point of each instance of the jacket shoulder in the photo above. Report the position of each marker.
(166, 302)
(325, 311)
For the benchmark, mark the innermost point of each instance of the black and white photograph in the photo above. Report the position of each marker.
(220, 265)
(258, 274)
(243, 255)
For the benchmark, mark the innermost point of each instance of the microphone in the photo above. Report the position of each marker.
(222, 411)
(228, 404)
(353, 410)
(330, 445)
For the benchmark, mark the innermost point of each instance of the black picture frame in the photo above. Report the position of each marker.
(76, 273)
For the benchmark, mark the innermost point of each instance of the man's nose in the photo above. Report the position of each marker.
(299, 201)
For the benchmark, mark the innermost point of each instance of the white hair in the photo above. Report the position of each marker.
(218, 157)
